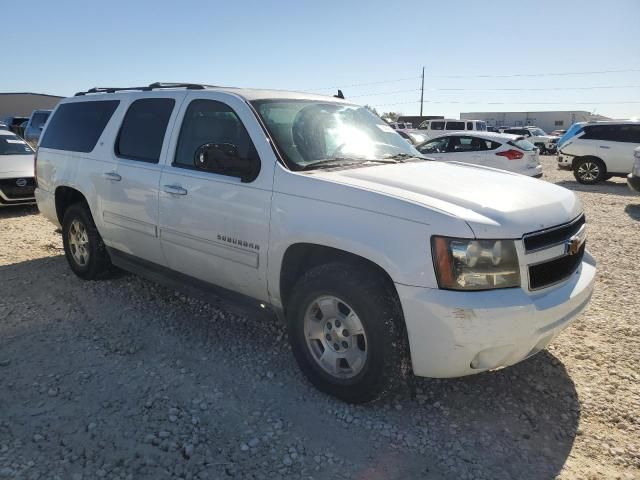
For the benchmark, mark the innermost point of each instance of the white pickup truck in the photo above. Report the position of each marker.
(315, 208)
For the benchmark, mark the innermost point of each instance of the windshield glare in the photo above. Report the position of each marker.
(310, 131)
(12, 145)
(538, 132)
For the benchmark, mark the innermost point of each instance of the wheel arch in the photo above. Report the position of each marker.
(66, 196)
(300, 257)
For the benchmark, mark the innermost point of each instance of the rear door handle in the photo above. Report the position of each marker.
(113, 176)
(604, 146)
(175, 189)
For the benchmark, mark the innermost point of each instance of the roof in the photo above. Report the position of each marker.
(249, 94)
(31, 93)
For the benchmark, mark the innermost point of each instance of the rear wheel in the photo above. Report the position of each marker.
(346, 333)
(83, 247)
(589, 170)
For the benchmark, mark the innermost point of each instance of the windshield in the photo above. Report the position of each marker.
(308, 131)
(574, 130)
(537, 132)
(12, 145)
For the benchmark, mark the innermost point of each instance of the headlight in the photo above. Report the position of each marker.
(465, 264)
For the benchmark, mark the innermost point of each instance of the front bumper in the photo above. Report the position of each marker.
(14, 193)
(633, 182)
(564, 162)
(452, 334)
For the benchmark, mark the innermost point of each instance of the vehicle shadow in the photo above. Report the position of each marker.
(18, 211)
(519, 422)
(608, 187)
(633, 211)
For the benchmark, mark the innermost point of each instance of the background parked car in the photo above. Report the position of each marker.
(558, 133)
(16, 170)
(597, 151)
(434, 128)
(633, 179)
(14, 123)
(506, 152)
(537, 136)
(35, 125)
(3, 126)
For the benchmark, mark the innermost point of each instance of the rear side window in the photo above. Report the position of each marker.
(522, 144)
(143, 128)
(437, 125)
(455, 126)
(76, 127)
(612, 133)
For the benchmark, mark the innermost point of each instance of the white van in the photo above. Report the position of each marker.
(597, 151)
(444, 125)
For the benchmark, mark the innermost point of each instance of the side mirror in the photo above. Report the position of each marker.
(224, 158)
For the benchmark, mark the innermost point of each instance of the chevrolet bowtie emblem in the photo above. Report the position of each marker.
(574, 244)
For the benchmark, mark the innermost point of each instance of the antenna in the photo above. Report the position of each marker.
(339, 95)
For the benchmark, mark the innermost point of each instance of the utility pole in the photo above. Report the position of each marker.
(422, 92)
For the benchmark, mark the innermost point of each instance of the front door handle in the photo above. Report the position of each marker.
(175, 189)
(113, 176)
(605, 146)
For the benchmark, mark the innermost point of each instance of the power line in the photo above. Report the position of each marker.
(548, 74)
(374, 94)
(509, 75)
(616, 102)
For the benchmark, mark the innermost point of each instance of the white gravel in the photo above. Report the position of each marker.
(124, 379)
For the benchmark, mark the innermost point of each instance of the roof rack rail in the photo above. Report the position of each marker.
(152, 86)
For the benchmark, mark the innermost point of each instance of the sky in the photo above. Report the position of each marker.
(478, 55)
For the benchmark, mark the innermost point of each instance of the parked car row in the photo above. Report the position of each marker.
(314, 207)
(28, 128)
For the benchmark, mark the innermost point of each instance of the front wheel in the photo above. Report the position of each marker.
(589, 170)
(346, 333)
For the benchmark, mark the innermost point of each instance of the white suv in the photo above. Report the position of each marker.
(314, 207)
(597, 151)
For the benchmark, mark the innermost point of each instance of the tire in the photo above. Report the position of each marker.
(589, 170)
(541, 149)
(83, 246)
(327, 300)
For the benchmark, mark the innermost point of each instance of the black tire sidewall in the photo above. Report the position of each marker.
(98, 263)
(378, 315)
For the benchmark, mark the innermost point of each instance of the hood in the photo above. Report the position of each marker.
(16, 166)
(494, 203)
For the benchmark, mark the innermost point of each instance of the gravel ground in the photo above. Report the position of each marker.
(125, 379)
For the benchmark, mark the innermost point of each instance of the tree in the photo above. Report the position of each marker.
(372, 109)
(391, 116)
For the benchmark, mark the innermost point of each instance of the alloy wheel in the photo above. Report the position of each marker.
(588, 171)
(79, 243)
(335, 337)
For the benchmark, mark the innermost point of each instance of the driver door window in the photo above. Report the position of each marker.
(209, 122)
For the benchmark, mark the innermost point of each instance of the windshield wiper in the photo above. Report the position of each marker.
(403, 157)
(344, 161)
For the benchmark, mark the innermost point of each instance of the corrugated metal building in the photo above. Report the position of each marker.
(22, 104)
(548, 121)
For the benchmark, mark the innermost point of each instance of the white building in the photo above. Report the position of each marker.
(548, 121)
